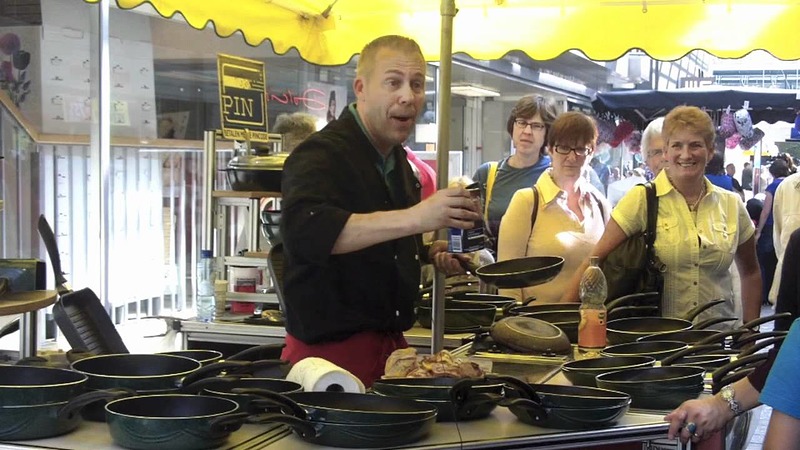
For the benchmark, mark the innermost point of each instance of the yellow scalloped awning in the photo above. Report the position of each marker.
(330, 32)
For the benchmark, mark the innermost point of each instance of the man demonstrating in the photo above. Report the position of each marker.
(747, 177)
(352, 220)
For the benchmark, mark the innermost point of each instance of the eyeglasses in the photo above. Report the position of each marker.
(565, 149)
(535, 126)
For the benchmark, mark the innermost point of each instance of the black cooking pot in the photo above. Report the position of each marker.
(662, 388)
(173, 421)
(256, 173)
(583, 372)
(459, 316)
(351, 420)
(656, 349)
(521, 272)
(224, 387)
(478, 399)
(24, 385)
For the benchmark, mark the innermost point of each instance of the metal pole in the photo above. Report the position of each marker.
(209, 166)
(104, 144)
(448, 12)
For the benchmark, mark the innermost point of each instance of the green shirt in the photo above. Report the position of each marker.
(384, 165)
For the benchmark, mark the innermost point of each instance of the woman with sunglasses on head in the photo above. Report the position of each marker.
(700, 228)
(563, 215)
(528, 126)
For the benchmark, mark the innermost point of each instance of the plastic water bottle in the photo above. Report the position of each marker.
(593, 291)
(204, 296)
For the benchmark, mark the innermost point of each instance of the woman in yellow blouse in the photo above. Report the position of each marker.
(700, 228)
(571, 213)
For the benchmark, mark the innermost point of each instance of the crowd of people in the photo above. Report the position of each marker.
(356, 208)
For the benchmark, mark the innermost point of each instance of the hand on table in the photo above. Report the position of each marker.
(698, 419)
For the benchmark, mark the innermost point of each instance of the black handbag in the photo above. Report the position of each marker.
(633, 266)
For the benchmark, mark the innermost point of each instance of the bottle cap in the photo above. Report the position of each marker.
(206, 254)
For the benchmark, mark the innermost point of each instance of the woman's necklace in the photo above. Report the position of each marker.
(693, 206)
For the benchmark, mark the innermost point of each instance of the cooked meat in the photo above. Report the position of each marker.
(406, 364)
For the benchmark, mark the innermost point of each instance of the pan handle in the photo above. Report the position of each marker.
(719, 337)
(690, 351)
(522, 388)
(257, 353)
(730, 378)
(214, 369)
(300, 426)
(228, 423)
(49, 238)
(712, 321)
(761, 345)
(694, 312)
(197, 387)
(631, 298)
(740, 362)
(756, 322)
(757, 336)
(77, 403)
(538, 412)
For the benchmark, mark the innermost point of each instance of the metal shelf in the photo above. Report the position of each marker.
(245, 261)
(251, 298)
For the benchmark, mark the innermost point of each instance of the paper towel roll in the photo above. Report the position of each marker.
(317, 374)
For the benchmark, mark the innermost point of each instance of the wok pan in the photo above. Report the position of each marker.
(521, 272)
(173, 421)
(656, 349)
(582, 372)
(24, 385)
(529, 335)
(663, 388)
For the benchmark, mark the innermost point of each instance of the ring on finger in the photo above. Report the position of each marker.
(691, 427)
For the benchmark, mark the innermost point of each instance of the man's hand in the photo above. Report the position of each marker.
(452, 207)
(448, 263)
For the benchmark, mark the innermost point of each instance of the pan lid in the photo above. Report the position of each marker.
(527, 334)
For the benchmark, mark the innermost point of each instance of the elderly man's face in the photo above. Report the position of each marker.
(656, 158)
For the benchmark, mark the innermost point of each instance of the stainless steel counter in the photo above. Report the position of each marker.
(240, 333)
(95, 436)
(502, 430)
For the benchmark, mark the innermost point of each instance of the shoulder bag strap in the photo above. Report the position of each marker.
(652, 217)
(534, 211)
(492, 174)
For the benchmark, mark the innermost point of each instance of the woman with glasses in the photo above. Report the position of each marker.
(498, 180)
(700, 228)
(563, 214)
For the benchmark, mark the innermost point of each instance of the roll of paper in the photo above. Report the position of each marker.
(317, 374)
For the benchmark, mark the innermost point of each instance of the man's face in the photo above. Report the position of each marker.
(656, 156)
(730, 170)
(390, 97)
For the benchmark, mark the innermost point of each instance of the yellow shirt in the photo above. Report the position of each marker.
(697, 248)
(557, 231)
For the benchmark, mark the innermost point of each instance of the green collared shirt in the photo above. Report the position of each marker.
(384, 165)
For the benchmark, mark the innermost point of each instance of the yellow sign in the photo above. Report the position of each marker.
(242, 103)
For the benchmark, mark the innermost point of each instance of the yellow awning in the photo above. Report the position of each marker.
(330, 32)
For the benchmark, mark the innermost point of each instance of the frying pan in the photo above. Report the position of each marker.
(656, 349)
(566, 320)
(224, 387)
(542, 307)
(459, 315)
(471, 398)
(367, 421)
(582, 372)
(23, 385)
(501, 302)
(565, 407)
(203, 356)
(663, 388)
(735, 370)
(620, 331)
(693, 337)
(521, 272)
(529, 335)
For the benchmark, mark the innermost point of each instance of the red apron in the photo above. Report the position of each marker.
(363, 354)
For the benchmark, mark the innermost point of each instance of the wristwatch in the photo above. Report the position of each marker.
(728, 395)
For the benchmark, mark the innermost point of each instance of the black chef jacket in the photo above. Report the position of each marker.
(329, 297)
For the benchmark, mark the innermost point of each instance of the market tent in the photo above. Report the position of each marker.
(330, 32)
(641, 106)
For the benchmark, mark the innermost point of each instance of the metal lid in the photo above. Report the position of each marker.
(272, 161)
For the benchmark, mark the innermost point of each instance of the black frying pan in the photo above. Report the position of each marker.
(656, 349)
(620, 331)
(521, 272)
(663, 388)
